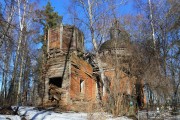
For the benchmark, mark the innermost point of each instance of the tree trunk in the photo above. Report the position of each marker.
(96, 46)
(152, 23)
(21, 25)
(21, 73)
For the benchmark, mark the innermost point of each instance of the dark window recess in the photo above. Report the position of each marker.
(57, 81)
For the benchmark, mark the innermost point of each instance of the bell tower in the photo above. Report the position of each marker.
(55, 38)
(63, 39)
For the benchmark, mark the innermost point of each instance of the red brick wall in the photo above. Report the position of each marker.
(54, 38)
(71, 37)
(81, 70)
(67, 37)
(125, 83)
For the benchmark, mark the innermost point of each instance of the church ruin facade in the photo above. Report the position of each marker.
(68, 77)
(73, 76)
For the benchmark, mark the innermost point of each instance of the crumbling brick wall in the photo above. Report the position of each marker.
(81, 71)
(65, 38)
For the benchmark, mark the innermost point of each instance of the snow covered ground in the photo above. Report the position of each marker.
(33, 114)
(10, 117)
(30, 113)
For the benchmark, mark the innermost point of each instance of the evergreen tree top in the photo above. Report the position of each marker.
(51, 17)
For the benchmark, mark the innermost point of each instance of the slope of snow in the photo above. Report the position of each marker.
(10, 117)
(33, 114)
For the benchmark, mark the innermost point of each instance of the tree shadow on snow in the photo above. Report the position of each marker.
(42, 112)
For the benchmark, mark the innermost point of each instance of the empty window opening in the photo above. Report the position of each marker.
(57, 81)
(82, 86)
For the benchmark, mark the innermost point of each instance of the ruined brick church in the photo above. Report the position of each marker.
(73, 75)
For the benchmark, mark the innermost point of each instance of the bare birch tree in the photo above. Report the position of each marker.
(95, 18)
(6, 45)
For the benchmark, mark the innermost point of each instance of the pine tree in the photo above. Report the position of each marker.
(51, 18)
(48, 18)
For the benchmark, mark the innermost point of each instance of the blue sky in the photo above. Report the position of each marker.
(61, 6)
